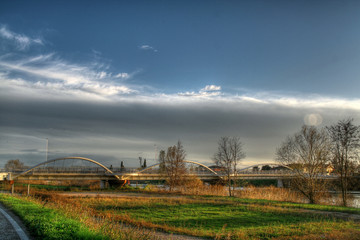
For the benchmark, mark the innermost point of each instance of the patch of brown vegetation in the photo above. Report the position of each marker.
(349, 234)
(270, 193)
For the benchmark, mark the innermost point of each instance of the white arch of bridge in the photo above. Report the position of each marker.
(66, 158)
(150, 167)
(186, 161)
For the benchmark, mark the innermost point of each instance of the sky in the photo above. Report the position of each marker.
(118, 80)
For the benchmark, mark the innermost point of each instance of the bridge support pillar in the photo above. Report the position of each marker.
(103, 184)
(280, 183)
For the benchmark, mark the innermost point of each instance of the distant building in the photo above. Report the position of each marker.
(329, 169)
(216, 168)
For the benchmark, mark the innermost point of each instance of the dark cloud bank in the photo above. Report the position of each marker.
(111, 132)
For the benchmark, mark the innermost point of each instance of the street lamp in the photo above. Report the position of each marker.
(47, 148)
(156, 149)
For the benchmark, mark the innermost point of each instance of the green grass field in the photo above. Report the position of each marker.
(203, 216)
(210, 216)
(47, 223)
(263, 202)
(223, 216)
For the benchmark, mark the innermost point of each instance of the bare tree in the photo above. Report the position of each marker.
(175, 166)
(229, 154)
(345, 137)
(307, 152)
(13, 165)
(162, 157)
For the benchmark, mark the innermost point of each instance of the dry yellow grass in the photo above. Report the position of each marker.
(270, 193)
(107, 215)
(105, 223)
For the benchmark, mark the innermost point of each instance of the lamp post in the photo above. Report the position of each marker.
(155, 150)
(47, 148)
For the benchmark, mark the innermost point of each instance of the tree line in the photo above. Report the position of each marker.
(309, 153)
(312, 151)
(171, 162)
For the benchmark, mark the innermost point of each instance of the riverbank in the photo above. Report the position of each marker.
(213, 217)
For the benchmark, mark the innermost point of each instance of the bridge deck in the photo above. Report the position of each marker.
(142, 176)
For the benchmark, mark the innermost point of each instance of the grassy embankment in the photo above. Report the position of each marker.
(46, 223)
(47, 220)
(204, 216)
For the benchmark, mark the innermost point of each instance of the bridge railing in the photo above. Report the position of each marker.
(64, 170)
(266, 172)
(77, 170)
(119, 171)
(122, 171)
(157, 171)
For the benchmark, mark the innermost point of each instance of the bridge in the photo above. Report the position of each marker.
(57, 170)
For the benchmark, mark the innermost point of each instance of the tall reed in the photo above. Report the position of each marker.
(270, 193)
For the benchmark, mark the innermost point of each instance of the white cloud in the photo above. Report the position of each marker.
(207, 91)
(209, 88)
(102, 75)
(21, 41)
(46, 73)
(48, 76)
(252, 99)
(212, 93)
(147, 47)
(199, 94)
(122, 75)
(309, 102)
(190, 94)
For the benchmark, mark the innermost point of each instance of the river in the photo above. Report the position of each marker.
(354, 199)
